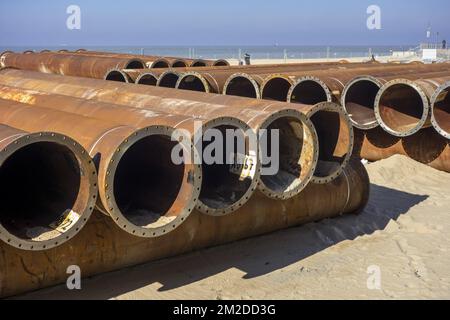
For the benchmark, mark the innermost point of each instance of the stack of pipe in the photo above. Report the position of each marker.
(153, 62)
(118, 139)
(403, 99)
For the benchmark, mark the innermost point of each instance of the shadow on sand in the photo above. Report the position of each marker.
(255, 257)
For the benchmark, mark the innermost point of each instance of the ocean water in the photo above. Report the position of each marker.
(233, 52)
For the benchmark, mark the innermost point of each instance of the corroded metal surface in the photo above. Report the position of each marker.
(48, 187)
(68, 64)
(102, 247)
(300, 154)
(425, 146)
(146, 196)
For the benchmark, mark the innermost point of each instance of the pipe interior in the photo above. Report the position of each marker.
(276, 89)
(168, 80)
(334, 142)
(179, 64)
(220, 63)
(401, 108)
(147, 182)
(40, 184)
(135, 64)
(199, 64)
(309, 92)
(242, 87)
(293, 165)
(192, 83)
(360, 102)
(148, 80)
(222, 186)
(116, 76)
(161, 64)
(442, 110)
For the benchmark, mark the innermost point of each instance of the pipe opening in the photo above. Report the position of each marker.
(147, 184)
(199, 63)
(335, 142)
(309, 92)
(179, 64)
(222, 186)
(192, 83)
(441, 110)
(161, 64)
(242, 87)
(296, 153)
(221, 63)
(359, 102)
(168, 80)
(116, 76)
(135, 64)
(40, 188)
(148, 80)
(276, 89)
(401, 108)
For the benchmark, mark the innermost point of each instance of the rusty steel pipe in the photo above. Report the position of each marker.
(425, 146)
(402, 106)
(68, 64)
(297, 132)
(168, 79)
(48, 184)
(112, 249)
(358, 96)
(158, 61)
(293, 86)
(146, 196)
(221, 194)
(440, 110)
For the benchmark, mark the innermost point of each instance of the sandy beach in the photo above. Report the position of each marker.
(404, 233)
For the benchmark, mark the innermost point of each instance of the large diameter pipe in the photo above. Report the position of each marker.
(70, 65)
(440, 110)
(297, 133)
(146, 195)
(359, 94)
(300, 86)
(402, 106)
(160, 62)
(425, 146)
(47, 190)
(109, 249)
(223, 191)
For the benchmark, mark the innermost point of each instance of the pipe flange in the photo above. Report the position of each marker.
(197, 75)
(166, 73)
(122, 73)
(272, 77)
(435, 123)
(146, 74)
(347, 87)
(311, 136)
(422, 95)
(159, 60)
(3, 57)
(254, 83)
(205, 209)
(194, 176)
(313, 79)
(333, 107)
(75, 222)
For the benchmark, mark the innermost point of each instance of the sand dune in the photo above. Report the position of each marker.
(404, 233)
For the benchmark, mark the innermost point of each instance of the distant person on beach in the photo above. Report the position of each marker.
(444, 44)
(247, 59)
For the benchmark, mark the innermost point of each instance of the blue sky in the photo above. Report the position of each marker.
(225, 22)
